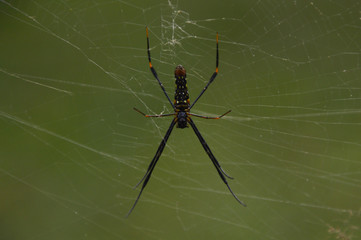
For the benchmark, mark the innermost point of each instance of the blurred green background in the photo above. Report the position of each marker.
(72, 148)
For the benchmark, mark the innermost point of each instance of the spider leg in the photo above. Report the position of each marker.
(154, 72)
(153, 163)
(208, 150)
(160, 115)
(214, 75)
(214, 160)
(205, 117)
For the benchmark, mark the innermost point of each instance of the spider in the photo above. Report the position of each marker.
(182, 117)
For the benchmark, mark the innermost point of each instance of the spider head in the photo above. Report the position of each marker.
(180, 71)
(182, 120)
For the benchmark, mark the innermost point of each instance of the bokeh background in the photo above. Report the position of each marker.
(72, 148)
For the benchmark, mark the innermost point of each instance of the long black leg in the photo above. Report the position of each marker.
(153, 163)
(214, 75)
(154, 72)
(214, 160)
(208, 150)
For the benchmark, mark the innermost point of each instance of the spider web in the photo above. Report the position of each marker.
(73, 149)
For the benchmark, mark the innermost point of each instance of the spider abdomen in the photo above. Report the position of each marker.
(181, 96)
